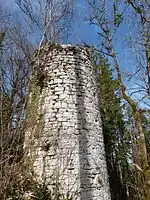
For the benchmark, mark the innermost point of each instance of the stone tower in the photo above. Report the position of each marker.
(64, 135)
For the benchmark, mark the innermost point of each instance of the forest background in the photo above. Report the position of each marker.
(118, 31)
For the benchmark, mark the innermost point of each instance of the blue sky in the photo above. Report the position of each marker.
(83, 32)
(10, 4)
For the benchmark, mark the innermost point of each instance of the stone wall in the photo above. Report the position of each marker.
(65, 137)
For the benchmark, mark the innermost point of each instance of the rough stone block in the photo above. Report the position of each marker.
(71, 148)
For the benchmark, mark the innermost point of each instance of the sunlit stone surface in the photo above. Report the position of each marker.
(69, 154)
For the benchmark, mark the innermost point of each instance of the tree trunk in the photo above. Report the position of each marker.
(145, 168)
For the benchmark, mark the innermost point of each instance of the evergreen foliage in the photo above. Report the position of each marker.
(113, 129)
(120, 137)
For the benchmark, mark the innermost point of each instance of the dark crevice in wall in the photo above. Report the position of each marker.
(85, 183)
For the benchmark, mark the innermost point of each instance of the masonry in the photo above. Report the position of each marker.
(64, 135)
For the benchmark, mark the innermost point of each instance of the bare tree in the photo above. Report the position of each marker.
(107, 28)
(13, 86)
(51, 18)
(141, 8)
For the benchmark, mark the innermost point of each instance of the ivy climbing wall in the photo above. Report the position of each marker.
(64, 136)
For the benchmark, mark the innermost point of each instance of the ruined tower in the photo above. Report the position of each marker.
(64, 135)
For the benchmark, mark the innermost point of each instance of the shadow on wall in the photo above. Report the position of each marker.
(85, 183)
